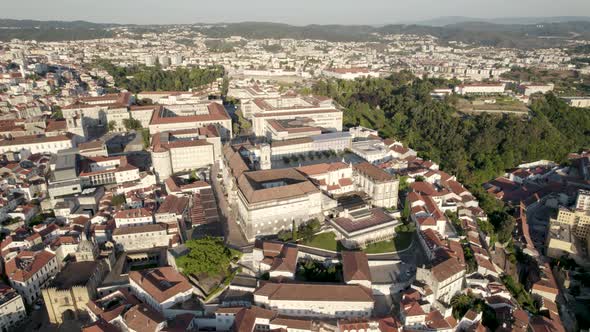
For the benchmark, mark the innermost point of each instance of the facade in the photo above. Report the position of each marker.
(481, 89)
(181, 117)
(338, 141)
(380, 185)
(316, 300)
(160, 288)
(445, 279)
(29, 271)
(12, 308)
(271, 200)
(68, 293)
(140, 237)
(362, 226)
(133, 217)
(320, 112)
(185, 150)
(36, 144)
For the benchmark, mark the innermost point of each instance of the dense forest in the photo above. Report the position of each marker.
(474, 147)
(142, 78)
(52, 30)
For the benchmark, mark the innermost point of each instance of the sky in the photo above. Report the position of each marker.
(297, 12)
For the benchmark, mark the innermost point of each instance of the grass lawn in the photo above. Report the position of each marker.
(400, 242)
(325, 241)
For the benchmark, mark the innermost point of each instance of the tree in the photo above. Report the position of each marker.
(112, 125)
(132, 124)
(208, 256)
(118, 200)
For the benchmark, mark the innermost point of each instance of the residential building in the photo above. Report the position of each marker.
(12, 308)
(160, 288)
(29, 271)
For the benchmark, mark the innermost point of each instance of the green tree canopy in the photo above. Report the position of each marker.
(207, 256)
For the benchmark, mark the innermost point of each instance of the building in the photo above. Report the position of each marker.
(364, 225)
(530, 89)
(355, 268)
(36, 144)
(271, 200)
(316, 300)
(582, 102)
(140, 237)
(133, 217)
(181, 117)
(445, 278)
(349, 73)
(29, 271)
(381, 186)
(67, 294)
(336, 142)
(161, 288)
(333, 178)
(320, 112)
(481, 89)
(185, 150)
(12, 308)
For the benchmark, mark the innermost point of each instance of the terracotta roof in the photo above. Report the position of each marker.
(161, 283)
(251, 185)
(373, 172)
(315, 292)
(142, 318)
(22, 267)
(355, 266)
(139, 229)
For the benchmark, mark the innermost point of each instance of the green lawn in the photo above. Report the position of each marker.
(400, 242)
(325, 241)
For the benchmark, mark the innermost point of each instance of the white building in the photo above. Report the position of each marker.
(133, 217)
(316, 300)
(185, 150)
(12, 308)
(28, 272)
(140, 237)
(271, 200)
(36, 144)
(380, 185)
(481, 88)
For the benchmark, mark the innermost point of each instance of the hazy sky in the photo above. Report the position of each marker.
(297, 12)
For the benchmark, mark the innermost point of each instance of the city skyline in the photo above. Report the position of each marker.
(372, 12)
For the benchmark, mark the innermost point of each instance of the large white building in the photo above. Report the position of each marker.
(321, 111)
(271, 200)
(380, 185)
(140, 237)
(36, 144)
(133, 217)
(316, 300)
(185, 150)
(29, 271)
(481, 88)
(181, 117)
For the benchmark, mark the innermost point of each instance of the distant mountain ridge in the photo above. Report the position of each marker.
(463, 29)
(448, 20)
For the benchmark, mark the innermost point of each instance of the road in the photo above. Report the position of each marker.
(227, 215)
